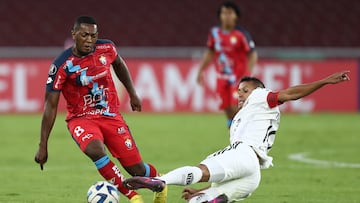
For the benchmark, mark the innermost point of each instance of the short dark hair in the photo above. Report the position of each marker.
(256, 81)
(84, 19)
(232, 5)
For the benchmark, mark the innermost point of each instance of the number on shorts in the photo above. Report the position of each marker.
(78, 131)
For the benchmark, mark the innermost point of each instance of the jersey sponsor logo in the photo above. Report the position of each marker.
(96, 98)
(102, 60)
(103, 47)
(52, 69)
(93, 112)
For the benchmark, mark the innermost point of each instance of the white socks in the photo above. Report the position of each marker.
(186, 175)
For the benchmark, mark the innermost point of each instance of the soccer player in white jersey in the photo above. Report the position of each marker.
(235, 170)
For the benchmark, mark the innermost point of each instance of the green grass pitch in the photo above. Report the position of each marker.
(172, 140)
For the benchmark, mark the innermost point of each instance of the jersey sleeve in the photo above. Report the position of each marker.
(57, 74)
(56, 78)
(272, 99)
(210, 41)
(248, 39)
(109, 47)
(113, 52)
(265, 98)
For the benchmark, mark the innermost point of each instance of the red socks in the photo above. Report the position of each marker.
(150, 171)
(112, 174)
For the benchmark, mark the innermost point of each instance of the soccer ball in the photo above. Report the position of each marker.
(102, 192)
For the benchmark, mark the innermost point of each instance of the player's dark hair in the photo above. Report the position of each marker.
(232, 5)
(84, 19)
(254, 80)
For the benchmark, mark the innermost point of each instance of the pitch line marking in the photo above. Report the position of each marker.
(303, 157)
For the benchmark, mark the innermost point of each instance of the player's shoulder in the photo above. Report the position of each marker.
(259, 93)
(63, 57)
(104, 43)
(214, 29)
(246, 34)
(242, 30)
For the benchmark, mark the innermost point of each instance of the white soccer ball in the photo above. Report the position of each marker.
(103, 192)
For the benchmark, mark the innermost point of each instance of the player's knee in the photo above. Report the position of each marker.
(205, 173)
(95, 150)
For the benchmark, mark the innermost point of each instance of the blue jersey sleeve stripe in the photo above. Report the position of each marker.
(62, 57)
(247, 36)
(104, 41)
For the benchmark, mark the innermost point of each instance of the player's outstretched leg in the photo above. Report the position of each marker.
(181, 176)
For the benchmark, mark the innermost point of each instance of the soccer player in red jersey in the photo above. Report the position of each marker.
(82, 74)
(233, 52)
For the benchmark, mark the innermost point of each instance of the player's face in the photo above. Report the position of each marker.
(85, 38)
(228, 17)
(245, 89)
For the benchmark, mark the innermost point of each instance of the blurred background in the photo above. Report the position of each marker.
(162, 42)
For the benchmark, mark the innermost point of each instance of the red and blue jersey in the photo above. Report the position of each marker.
(231, 50)
(86, 81)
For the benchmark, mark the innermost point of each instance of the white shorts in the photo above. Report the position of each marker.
(234, 171)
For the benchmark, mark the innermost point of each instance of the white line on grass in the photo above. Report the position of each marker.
(303, 157)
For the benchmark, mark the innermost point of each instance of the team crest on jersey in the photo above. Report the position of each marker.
(52, 69)
(233, 39)
(102, 60)
(128, 143)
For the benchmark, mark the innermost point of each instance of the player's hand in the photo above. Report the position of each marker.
(189, 193)
(135, 103)
(41, 156)
(338, 77)
(200, 78)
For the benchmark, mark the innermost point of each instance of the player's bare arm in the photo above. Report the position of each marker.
(207, 58)
(252, 59)
(48, 120)
(299, 91)
(122, 72)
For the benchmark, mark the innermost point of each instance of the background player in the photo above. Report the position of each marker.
(233, 51)
(235, 171)
(82, 74)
